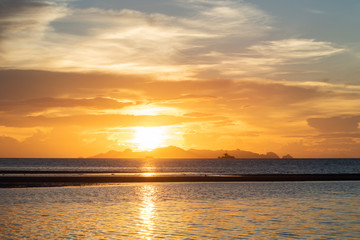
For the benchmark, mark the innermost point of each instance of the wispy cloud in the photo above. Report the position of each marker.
(296, 49)
(218, 39)
(23, 18)
(50, 36)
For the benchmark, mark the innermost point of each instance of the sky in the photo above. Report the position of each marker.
(81, 77)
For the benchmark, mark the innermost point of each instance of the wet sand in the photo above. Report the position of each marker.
(63, 180)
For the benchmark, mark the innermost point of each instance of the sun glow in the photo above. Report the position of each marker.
(151, 110)
(148, 138)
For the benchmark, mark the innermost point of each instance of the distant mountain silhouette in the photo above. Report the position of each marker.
(287, 156)
(176, 152)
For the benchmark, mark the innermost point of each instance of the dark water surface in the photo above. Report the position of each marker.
(189, 166)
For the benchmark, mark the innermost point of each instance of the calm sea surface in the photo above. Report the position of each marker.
(286, 210)
(216, 210)
(186, 166)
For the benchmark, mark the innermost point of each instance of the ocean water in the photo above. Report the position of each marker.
(266, 210)
(186, 166)
(202, 210)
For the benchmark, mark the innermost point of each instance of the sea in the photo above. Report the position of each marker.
(187, 210)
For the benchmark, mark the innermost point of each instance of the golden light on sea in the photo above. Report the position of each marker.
(147, 212)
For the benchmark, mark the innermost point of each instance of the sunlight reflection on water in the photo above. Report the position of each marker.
(286, 210)
(147, 214)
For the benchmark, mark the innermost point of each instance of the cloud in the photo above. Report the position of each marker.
(24, 16)
(246, 98)
(296, 49)
(20, 85)
(99, 121)
(39, 99)
(324, 148)
(227, 111)
(211, 39)
(225, 17)
(56, 143)
(101, 62)
(285, 58)
(335, 124)
(24, 23)
(41, 104)
(341, 135)
(268, 58)
(53, 36)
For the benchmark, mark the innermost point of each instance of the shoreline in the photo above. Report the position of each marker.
(57, 181)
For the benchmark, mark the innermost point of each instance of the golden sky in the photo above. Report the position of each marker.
(78, 78)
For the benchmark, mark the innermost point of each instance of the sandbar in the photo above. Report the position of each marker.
(7, 181)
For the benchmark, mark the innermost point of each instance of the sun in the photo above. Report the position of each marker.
(149, 138)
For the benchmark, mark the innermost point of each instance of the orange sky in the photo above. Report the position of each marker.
(78, 79)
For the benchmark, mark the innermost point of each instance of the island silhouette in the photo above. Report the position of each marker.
(176, 152)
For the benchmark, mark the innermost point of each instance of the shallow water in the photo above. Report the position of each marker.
(269, 210)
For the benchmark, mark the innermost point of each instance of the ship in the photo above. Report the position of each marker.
(226, 156)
